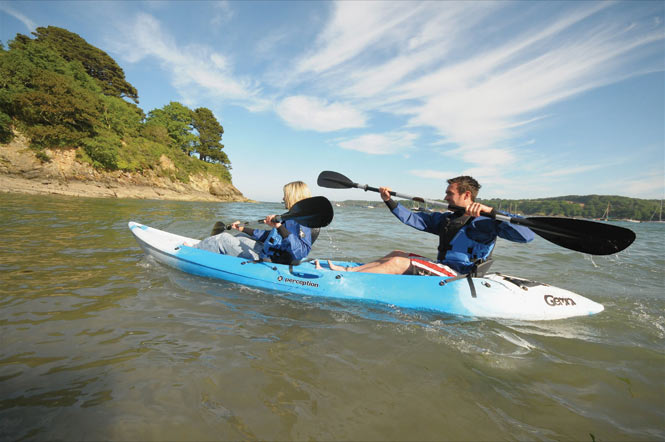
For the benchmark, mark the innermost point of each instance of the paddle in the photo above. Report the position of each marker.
(311, 212)
(574, 234)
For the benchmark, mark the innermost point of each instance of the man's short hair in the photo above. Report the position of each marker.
(466, 183)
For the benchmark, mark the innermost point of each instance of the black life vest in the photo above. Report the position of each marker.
(449, 229)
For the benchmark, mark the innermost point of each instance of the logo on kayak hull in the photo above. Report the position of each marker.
(554, 301)
(297, 282)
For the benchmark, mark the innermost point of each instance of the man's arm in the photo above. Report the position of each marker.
(427, 222)
(485, 230)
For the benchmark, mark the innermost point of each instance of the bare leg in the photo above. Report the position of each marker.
(337, 268)
(397, 264)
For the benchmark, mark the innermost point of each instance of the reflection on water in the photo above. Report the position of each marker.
(99, 342)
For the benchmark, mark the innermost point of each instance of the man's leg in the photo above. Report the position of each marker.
(391, 264)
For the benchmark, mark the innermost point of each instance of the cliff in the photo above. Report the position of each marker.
(22, 172)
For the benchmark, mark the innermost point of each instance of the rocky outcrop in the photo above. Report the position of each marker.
(22, 172)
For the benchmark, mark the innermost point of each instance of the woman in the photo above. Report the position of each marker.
(285, 243)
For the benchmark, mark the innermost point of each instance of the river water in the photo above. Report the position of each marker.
(100, 342)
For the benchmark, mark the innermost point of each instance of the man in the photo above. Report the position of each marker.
(465, 238)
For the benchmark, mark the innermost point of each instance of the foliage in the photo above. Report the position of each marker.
(177, 119)
(587, 206)
(5, 128)
(97, 63)
(103, 150)
(55, 111)
(121, 117)
(210, 136)
(62, 92)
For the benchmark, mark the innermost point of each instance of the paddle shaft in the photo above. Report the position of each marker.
(277, 219)
(494, 214)
(542, 229)
(452, 207)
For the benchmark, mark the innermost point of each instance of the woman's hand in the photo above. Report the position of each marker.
(270, 221)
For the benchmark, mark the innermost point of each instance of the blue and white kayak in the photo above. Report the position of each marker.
(492, 296)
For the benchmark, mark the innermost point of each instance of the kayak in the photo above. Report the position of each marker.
(490, 296)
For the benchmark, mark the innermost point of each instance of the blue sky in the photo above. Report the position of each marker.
(534, 99)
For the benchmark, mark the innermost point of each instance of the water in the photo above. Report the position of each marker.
(99, 342)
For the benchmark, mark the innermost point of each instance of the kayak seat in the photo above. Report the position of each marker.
(480, 268)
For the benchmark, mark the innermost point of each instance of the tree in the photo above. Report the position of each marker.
(178, 121)
(56, 111)
(97, 63)
(210, 132)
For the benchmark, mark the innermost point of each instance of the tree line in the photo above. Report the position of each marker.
(62, 92)
(572, 206)
(583, 206)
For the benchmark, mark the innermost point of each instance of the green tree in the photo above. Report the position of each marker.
(97, 63)
(210, 132)
(178, 121)
(53, 101)
(56, 112)
(125, 119)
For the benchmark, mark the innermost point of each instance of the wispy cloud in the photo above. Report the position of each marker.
(389, 143)
(651, 182)
(433, 174)
(196, 71)
(29, 24)
(315, 114)
(477, 86)
(222, 14)
(565, 171)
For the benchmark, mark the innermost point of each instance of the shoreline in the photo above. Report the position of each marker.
(95, 189)
(23, 173)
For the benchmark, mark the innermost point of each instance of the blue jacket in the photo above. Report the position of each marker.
(295, 244)
(475, 240)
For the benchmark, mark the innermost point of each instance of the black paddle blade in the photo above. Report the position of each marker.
(311, 212)
(218, 228)
(334, 180)
(580, 235)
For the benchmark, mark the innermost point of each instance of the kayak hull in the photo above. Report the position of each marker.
(493, 295)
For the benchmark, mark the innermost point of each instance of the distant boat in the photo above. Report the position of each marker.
(370, 207)
(606, 213)
(660, 216)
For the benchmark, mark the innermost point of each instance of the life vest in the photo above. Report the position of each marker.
(271, 245)
(455, 247)
(271, 251)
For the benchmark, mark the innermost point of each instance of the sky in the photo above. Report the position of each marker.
(533, 99)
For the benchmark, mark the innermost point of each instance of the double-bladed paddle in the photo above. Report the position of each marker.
(574, 234)
(311, 212)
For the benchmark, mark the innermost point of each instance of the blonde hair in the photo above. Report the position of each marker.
(294, 192)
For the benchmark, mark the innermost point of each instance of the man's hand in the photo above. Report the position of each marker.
(236, 226)
(474, 209)
(385, 193)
